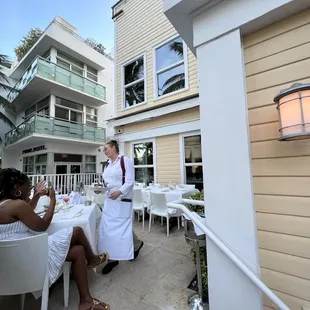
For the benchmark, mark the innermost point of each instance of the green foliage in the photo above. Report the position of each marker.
(95, 45)
(27, 42)
(204, 267)
(194, 208)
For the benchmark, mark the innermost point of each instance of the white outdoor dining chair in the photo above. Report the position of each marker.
(138, 204)
(97, 198)
(24, 266)
(159, 207)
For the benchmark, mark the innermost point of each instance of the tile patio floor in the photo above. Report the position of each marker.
(158, 279)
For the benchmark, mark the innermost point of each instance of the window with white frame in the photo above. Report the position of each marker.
(134, 92)
(170, 67)
(35, 164)
(68, 110)
(41, 108)
(143, 158)
(91, 116)
(90, 163)
(193, 161)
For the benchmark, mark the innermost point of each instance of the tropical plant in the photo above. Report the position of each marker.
(27, 42)
(95, 45)
(195, 208)
(4, 87)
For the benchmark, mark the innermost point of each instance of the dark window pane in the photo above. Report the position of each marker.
(90, 168)
(134, 71)
(169, 54)
(143, 153)
(61, 113)
(194, 176)
(134, 94)
(90, 159)
(42, 158)
(76, 117)
(145, 175)
(68, 158)
(43, 103)
(171, 80)
(193, 149)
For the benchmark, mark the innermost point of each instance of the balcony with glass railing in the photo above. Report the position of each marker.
(46, 125)
(67, 77)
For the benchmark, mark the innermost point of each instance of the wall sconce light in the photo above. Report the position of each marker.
(293, 106)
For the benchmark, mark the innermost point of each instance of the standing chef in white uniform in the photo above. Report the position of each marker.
(115, 234)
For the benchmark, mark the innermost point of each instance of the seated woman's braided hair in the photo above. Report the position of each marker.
(8, 178)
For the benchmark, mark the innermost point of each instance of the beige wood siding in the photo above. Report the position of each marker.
(164, 120)
(275, 58)
(168, 159)
(138, 30)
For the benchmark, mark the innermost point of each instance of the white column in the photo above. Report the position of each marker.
(53, 54)
(227, 172)
(52, 105)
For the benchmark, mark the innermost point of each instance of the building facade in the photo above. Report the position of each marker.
(63, 92)
(256, 187)
(157, 108)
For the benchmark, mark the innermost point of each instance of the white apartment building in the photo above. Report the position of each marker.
(63, 95)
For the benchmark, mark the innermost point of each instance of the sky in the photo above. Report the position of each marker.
(92, 18)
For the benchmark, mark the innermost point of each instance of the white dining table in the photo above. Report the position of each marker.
(78, 215)
(171, 194)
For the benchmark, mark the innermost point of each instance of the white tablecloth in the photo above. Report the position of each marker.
(78, 215)
(171, 195)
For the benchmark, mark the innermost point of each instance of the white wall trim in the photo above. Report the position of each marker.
(161, 131)
(185, 61)
(123, 82)
(183, 105)
(182, 157)
(154, 154)
(115, 69)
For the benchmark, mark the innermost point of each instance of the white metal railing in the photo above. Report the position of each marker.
(180, 205)
(65, 183)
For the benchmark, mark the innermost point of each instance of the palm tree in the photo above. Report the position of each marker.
(133, 72)
(4, 85)
(177, 81)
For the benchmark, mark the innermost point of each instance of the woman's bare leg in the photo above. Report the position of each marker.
(79, 238)
(77, 256)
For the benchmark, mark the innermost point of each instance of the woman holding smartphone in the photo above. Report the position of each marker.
(115, 234)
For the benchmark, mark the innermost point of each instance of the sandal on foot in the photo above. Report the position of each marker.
(104, 257)
(98, 305)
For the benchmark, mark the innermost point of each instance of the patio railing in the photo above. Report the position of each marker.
(180, 205)
(50, 71)
(47, 125)
(66, 183)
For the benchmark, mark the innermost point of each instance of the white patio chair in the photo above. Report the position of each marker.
(159, 207)
(23, 265)
(138, 204)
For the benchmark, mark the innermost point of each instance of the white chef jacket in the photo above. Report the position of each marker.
(113, 177)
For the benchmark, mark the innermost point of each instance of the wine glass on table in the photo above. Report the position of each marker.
(66, 201)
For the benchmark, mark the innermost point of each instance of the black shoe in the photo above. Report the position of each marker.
(136, 254)
(108, 268)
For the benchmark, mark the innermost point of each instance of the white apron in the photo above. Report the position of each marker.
(115, 233)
